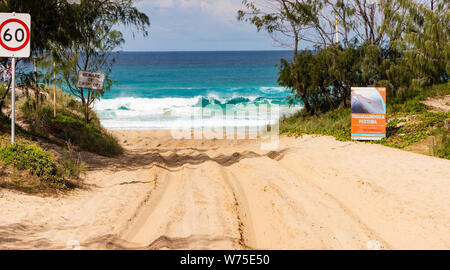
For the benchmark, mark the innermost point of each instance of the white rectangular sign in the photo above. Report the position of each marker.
(91, 80)
(15, 34)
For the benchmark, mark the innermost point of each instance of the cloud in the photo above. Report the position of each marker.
(222, 9)
(196, 25)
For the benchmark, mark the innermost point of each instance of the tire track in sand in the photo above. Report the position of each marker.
(195, 209)
(297, 200)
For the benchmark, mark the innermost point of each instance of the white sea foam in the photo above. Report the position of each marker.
(271, 90)
(170, 113)
(156, 105)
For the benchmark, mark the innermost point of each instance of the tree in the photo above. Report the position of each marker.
(74, 29)
(51, 22)
(94, 45)
(286, 22)
(396, 43)
(314, 22)
(426, 43)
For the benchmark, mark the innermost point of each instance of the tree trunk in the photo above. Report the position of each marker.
(308, 107)
(299, 90)
(37, 96)
(346, 103)
(303, 96)
(86, 115)
(296, 42)
(36, 91)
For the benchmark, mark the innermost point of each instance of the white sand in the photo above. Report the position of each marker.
(313, 193)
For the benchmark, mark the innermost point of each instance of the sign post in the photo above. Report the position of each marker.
(13, 100)
(54, 90)
(14, 42)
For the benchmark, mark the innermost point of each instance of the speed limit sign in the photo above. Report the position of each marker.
(14, 42)
(15, 34)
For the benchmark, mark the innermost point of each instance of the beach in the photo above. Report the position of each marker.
(312, 192)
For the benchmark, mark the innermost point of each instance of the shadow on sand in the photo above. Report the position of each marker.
(134, 160)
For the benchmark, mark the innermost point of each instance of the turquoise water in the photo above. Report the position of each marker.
(163, 90)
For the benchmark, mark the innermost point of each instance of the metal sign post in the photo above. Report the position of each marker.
(14, 42)
(13, 100)
(54, 91)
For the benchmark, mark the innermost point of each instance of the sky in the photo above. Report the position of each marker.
(196, 25)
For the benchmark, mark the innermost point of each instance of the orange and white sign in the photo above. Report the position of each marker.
(368, 113)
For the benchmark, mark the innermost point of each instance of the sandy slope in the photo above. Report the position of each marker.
(313, 193)
(439, 104)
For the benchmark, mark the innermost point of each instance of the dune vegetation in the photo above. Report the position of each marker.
(409, 122)
(49, 138)
(401, 45)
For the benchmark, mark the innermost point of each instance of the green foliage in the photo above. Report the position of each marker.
(28, 168)
(93, 139)
(429, 32)
(409, 107)
(411, 102)
(31, 158)
(78, 36)
(94, 45)
(325, 76)
(412, 123)
(64, 22)
(443, 150)
(401, 45)
(50, 16)
(335, 123)
(69, 125)
(402, 133)
(71, 164)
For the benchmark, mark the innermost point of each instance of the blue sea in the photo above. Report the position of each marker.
(166, 90)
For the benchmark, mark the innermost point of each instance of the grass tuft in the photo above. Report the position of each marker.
(335, 123)
(68, 125)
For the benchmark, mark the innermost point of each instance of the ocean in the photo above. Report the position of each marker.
(166, 90)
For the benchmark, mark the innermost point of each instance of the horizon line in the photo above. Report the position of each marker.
(287, 50)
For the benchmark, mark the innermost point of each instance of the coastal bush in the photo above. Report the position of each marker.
(411, 103)
(29, 168)
(335, 123)
(402, 53)
(5, 127)
(411, 124)
(31, 158)
(71, 163)
(69, 125)
(409, 107)
(94, 139)
(402, 133)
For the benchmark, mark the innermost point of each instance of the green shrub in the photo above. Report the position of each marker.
(414, 130)
(69, 125)
(409, 107)
(70, 163)
(335, 123)
(93, 139)
(31, 158)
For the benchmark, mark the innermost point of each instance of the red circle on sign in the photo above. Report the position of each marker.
(27, 30)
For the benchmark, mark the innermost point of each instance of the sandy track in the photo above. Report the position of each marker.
(313, 193)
